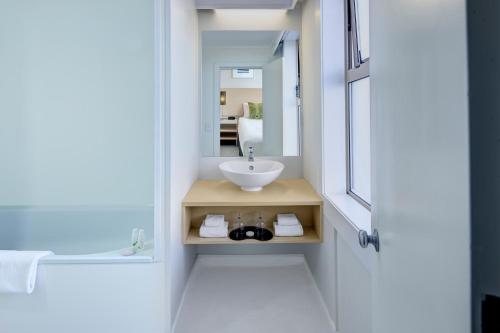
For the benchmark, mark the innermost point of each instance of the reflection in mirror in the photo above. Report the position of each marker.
(250, 93)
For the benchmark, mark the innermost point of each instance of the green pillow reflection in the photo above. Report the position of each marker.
(255, 110)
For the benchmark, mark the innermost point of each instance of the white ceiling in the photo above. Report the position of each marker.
(245, 4)
(240, 38)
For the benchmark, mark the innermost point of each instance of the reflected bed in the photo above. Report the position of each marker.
(250, 133)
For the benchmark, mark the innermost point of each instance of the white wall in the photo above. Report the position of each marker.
(354, 290)
(321, 258)
(184, 128)
(311, 91)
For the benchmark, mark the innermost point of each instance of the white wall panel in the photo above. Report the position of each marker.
(184, 145)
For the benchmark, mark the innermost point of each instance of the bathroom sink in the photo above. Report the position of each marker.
(251, 176)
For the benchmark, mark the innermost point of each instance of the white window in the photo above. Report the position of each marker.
(358, 101)
(346, 110)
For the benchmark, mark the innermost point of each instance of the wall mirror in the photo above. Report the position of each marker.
(250, 93)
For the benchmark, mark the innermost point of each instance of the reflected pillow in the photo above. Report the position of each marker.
(246, 110)
(255, 110)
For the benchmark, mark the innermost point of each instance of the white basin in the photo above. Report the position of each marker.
(251, 176)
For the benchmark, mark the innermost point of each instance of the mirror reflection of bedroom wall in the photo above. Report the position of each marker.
(250, 93)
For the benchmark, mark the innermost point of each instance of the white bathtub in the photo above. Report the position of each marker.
(87, 285)
(76, 234)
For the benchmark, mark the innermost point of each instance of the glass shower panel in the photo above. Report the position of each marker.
(76, 123)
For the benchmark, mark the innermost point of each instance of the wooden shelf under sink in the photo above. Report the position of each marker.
(282, 196)
(310, 236)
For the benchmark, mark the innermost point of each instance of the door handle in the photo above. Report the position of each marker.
(365, 239)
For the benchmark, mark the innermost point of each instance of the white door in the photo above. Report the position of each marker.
(420, 156)
(272, 103)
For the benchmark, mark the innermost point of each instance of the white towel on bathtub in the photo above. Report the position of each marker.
(18, 270)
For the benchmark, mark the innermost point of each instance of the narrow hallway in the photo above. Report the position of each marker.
(258, 293)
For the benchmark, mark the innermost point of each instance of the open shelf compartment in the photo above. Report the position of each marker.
(222, 197)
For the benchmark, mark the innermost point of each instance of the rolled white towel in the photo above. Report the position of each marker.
(287, 219)
(18, 270)
(214, 220)
(288, 230)
(215, 232)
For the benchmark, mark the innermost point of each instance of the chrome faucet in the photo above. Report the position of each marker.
(250, 154)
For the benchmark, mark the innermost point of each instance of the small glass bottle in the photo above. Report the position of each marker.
(260, 226)
(238, 228)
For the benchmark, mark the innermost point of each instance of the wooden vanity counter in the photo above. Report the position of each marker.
(223, 197)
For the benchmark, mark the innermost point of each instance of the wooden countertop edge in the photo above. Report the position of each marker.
(251, 203)
(314, 197)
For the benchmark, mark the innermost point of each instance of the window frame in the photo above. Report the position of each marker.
(356, 69)
(354, 216)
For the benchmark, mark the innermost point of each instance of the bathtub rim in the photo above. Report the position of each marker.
(95, 259)
(112, 257)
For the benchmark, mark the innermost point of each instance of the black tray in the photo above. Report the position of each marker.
(259, 234)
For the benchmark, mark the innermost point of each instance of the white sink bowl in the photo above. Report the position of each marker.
(251, 176)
